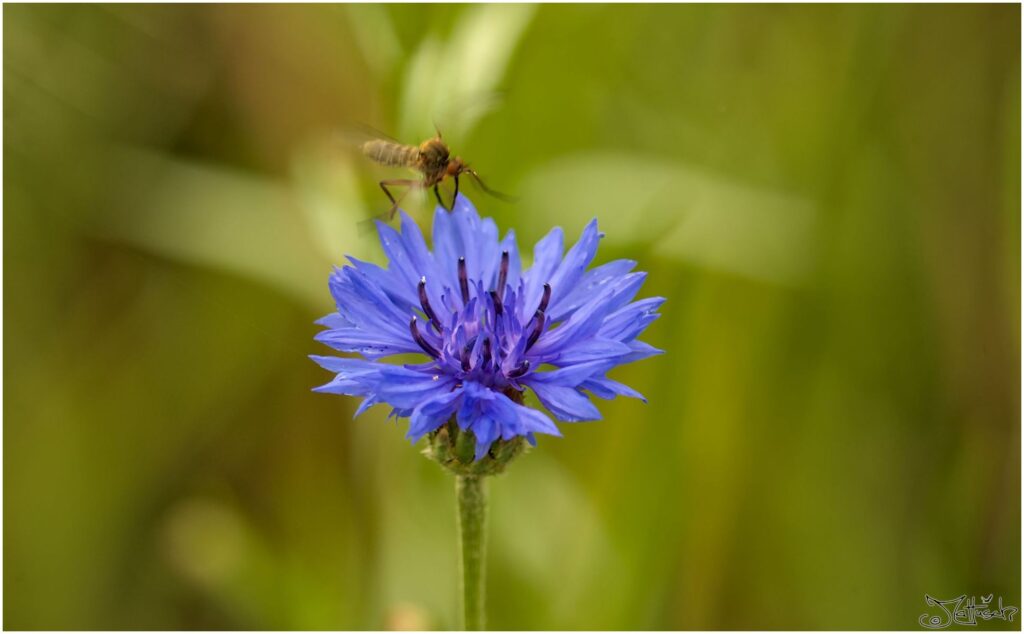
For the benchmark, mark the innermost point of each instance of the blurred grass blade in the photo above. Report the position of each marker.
(444, 78)
(684, 213)
(224, 219)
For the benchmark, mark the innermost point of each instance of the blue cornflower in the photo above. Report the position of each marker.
(489, 329)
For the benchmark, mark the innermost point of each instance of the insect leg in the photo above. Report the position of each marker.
(387, 192)
(455, 196)
(437, 194)
(488, 190)
(397, 182)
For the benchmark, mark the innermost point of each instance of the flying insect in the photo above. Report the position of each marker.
(432, 159)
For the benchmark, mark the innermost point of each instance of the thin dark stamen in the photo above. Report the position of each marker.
(538, 327)
(425, 304)
(502, 275)
(497, 302)
(465, 359)
(487, 352)
(519, 370)
(545, 298)
(463, 281)
(429, 349)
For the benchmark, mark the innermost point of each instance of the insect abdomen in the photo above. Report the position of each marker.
(391, 154)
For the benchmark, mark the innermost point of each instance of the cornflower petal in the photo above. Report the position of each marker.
(628, 322)
(567, 403)
(400, 261)
(587, 320)
(546, 256)
(564, 305)
(571, 268)
(432, 413)
(608, 389)
(333, 320)
(585, 350)
(372, 345)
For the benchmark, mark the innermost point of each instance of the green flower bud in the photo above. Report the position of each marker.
(453, 448)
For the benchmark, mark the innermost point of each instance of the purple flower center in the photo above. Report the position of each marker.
(484, 341)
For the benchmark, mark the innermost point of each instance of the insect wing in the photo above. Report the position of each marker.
(354, 135)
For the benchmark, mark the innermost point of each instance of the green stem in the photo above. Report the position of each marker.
(472, 502)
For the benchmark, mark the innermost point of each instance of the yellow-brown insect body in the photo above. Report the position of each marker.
(433, 161)
(392, 154)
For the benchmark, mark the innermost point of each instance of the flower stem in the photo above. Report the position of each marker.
(472, 503)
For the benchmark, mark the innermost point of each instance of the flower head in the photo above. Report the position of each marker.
(488, 329)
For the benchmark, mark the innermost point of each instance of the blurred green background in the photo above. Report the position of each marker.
(829, 196)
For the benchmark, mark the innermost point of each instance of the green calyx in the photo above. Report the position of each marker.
(453, 448)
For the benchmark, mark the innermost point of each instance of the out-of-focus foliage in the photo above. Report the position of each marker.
(829, 196)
